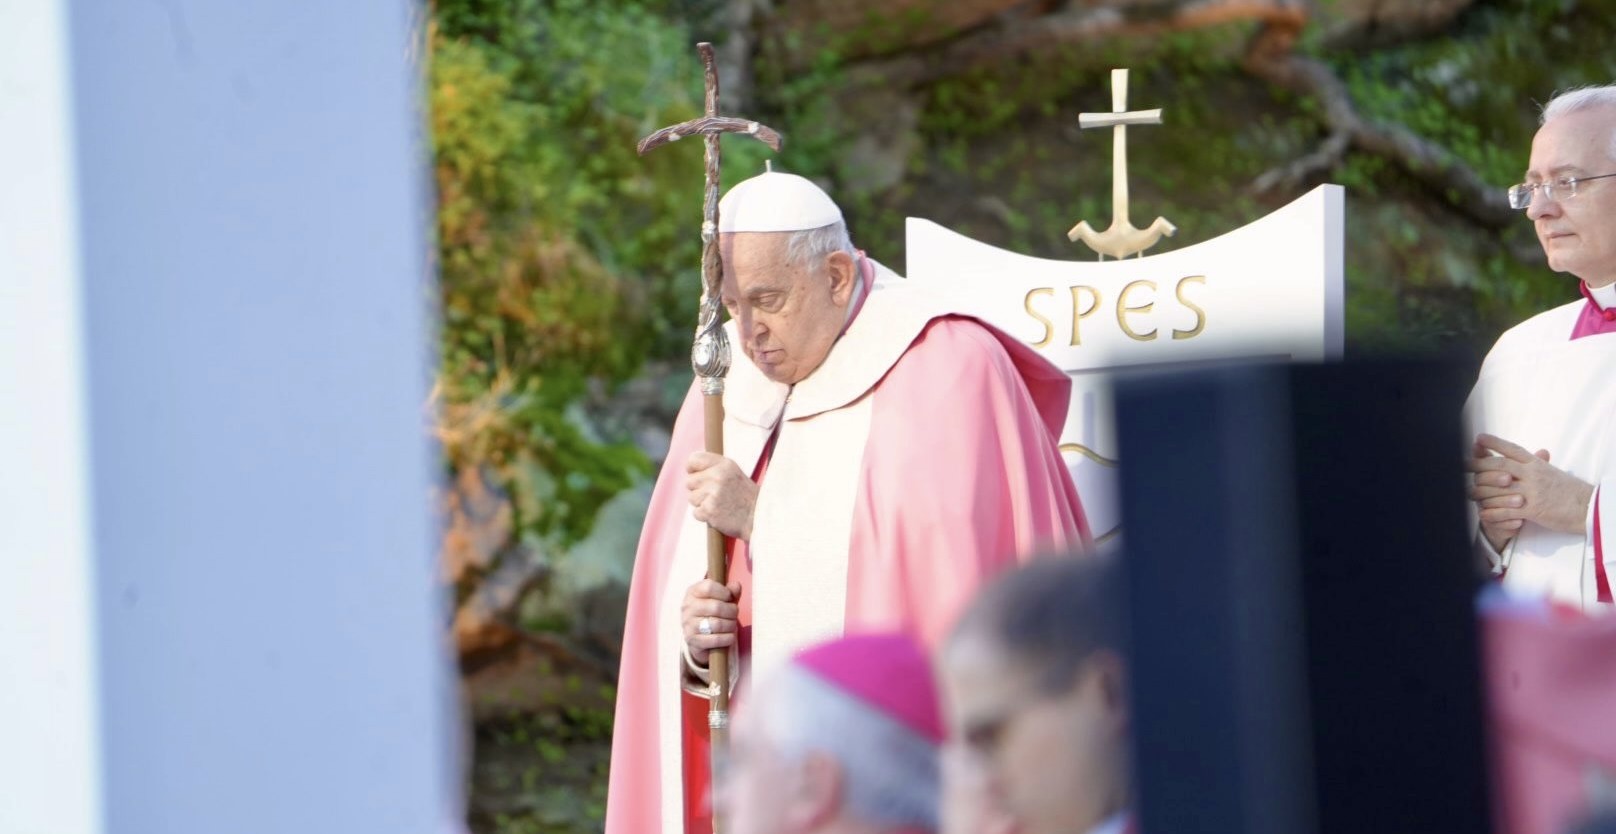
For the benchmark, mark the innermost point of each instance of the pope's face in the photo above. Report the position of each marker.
(1578, 234)
(1053, 762)
(787, 315)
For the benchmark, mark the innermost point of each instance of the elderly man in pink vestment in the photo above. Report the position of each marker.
(1547, 384)
(883, 456)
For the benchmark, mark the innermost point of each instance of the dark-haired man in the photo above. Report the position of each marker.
(1035, 693)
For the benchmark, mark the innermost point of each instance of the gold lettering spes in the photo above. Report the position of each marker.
(1134, 308)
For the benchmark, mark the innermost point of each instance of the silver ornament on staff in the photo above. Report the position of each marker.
(710, 353)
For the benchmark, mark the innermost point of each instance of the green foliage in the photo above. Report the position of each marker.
(803, 105)
(566, 259)
(1010, 133)
(591, 724)
(546, 772)
(1432, 277)
(1005, 163)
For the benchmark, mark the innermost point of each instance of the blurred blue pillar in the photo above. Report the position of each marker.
(219, 607)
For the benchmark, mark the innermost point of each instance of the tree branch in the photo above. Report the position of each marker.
(1291, 176)
(736, 52)
(1386, 23)
(1270, 58)
(1014, 37)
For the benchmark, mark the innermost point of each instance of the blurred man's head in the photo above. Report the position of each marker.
(1035, 694)
(789, 272)
(842, 739)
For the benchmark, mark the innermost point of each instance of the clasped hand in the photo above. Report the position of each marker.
(1512, 486)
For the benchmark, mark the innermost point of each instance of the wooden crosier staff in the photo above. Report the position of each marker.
(709, 354)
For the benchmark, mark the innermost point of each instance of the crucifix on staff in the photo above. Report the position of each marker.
(710, 351)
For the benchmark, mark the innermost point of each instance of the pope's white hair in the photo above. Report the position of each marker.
(889, 772)
(808, 245)
(1583, 98)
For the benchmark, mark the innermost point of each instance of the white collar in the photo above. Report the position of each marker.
(1604, 296)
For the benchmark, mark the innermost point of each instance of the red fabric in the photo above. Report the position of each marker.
(698, 769)
(1593, 319)
(1551, 684)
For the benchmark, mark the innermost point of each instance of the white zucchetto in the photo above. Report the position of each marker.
(775, 202)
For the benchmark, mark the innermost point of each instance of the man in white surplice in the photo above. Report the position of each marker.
(1544, 404)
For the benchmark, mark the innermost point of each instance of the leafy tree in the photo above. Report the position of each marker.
(565, 259)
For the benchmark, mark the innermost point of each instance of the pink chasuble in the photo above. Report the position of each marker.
(958, 477)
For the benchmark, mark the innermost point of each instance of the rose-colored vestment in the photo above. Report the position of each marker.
(917, 461)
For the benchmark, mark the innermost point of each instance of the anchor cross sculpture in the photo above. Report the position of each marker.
(1122, 238)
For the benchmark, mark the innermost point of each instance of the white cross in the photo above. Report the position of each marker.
(1121, 239)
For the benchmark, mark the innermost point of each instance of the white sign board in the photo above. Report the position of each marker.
(1271, 289)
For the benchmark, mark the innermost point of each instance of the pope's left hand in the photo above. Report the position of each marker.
(1551, 496)
(721, 494)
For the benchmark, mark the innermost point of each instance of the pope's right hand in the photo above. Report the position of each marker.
(715, 605)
